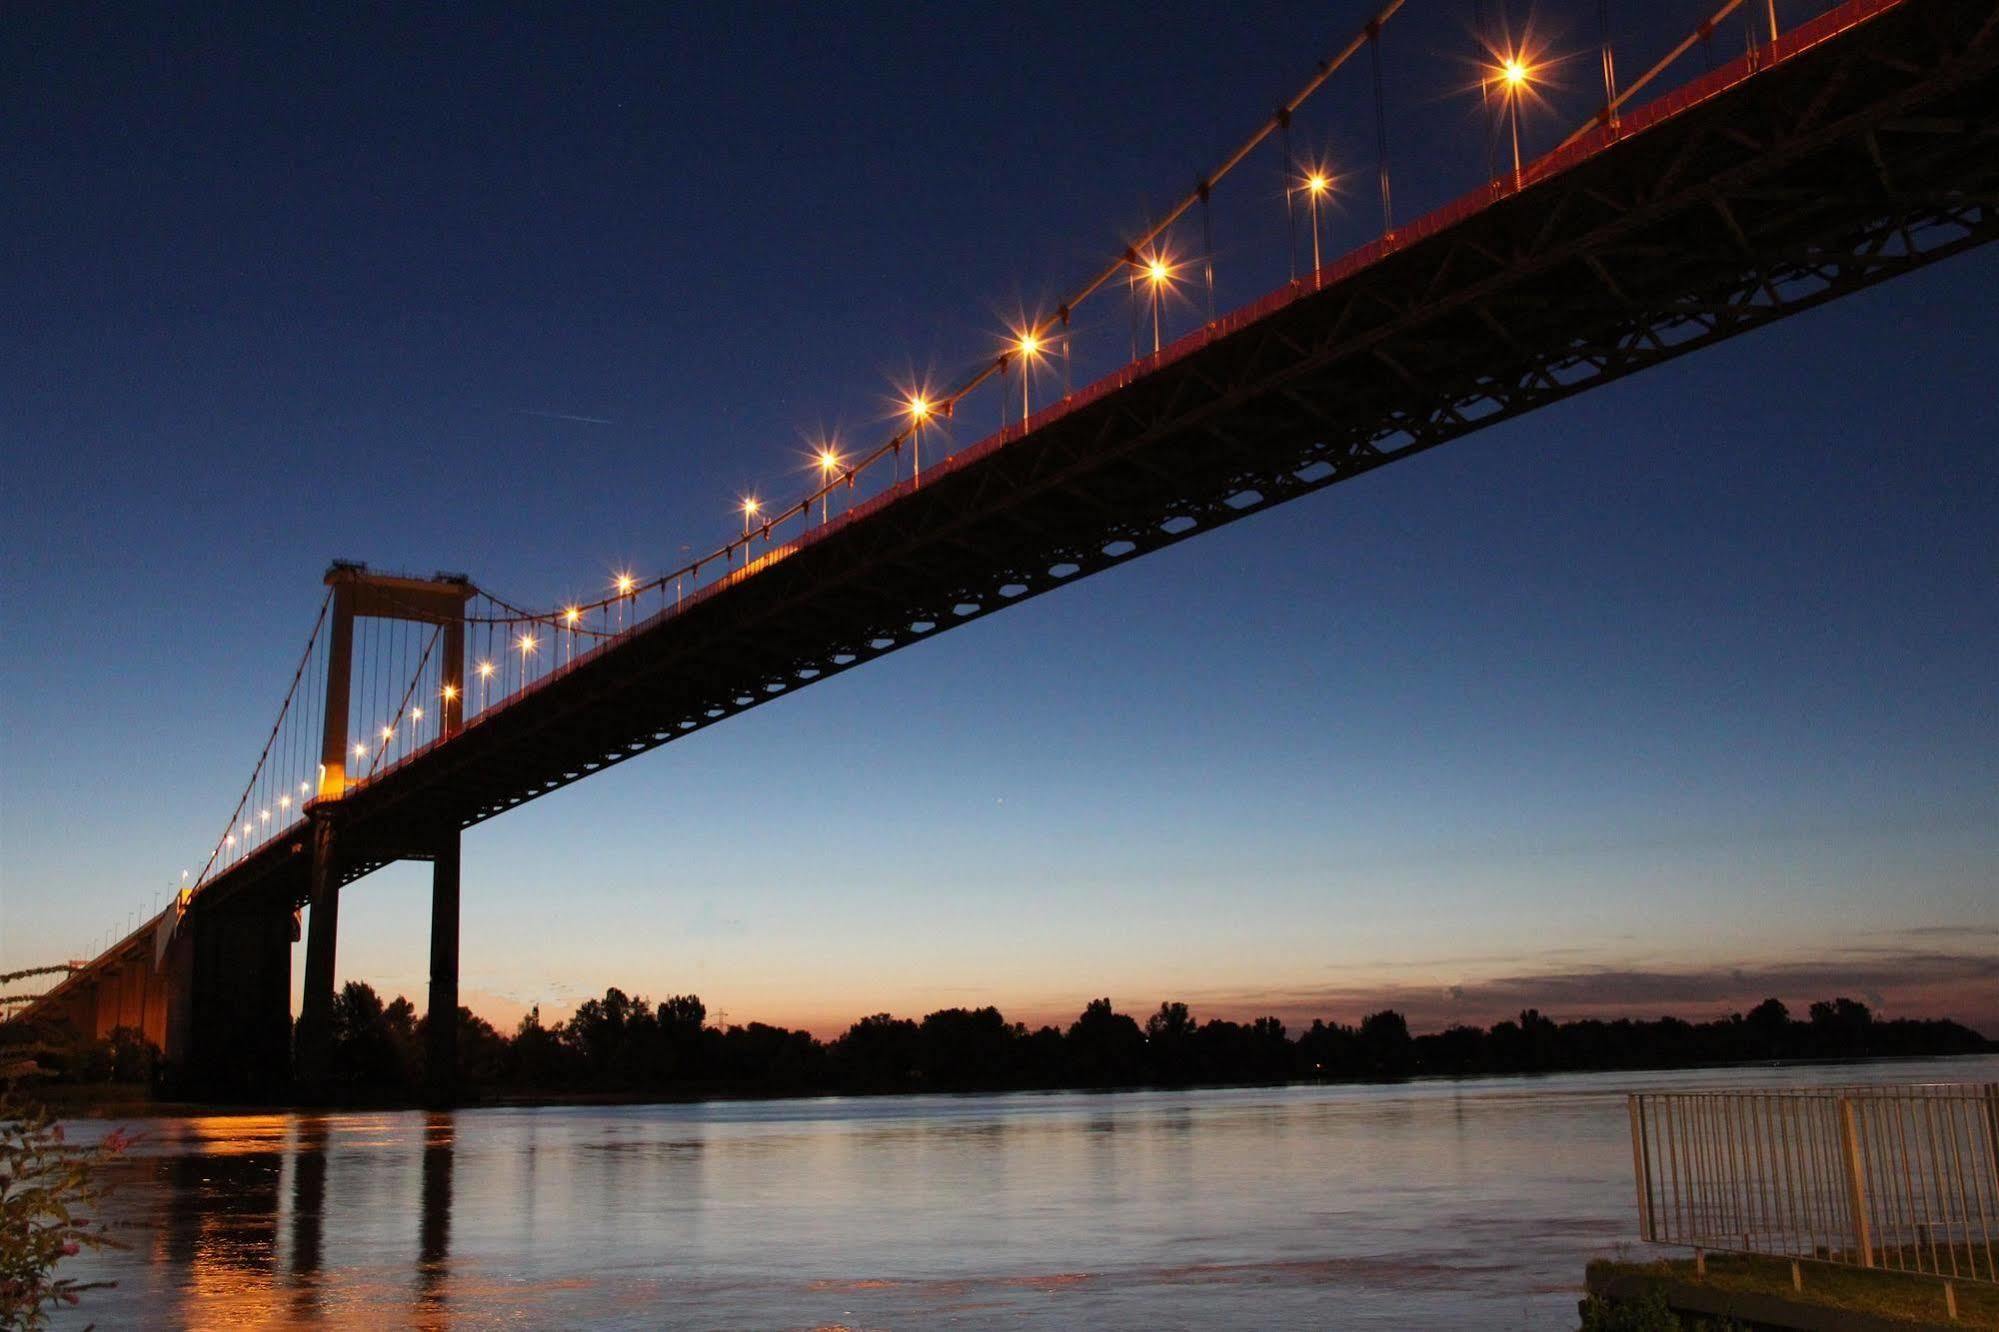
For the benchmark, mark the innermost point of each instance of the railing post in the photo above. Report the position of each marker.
(1992, 1133)
(1642, 1175)
(1856, 1180)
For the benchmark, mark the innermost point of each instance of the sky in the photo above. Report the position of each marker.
(1663, 699)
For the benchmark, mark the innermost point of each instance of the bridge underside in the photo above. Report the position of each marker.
(1850, 164)
(1855, 161)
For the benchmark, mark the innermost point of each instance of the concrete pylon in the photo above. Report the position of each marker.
(441, 1028)
(358, 593)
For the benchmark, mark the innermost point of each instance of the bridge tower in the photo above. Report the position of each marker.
(439, 600)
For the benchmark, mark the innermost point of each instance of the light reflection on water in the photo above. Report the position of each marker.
(1430, 1204)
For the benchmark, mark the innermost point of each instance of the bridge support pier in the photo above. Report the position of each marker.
(313, 1055)
(235, 1044)
(441, 1028)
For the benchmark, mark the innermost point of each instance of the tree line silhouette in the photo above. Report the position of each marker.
(628, 1044)
(622, 1045)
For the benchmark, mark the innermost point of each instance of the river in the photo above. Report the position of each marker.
(1429, 1204)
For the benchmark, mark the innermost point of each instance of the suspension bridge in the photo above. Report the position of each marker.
(1832, 154)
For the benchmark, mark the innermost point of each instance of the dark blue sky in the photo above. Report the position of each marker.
(1671, 696)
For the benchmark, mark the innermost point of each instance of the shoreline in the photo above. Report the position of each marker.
(116, 1101)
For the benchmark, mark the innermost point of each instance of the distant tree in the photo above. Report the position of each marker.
(483, 1054)
(773, 1060)
(683, 1015)
(682, 1021)
(1039, 1058)
(1169, 1046)
(1841, 1027)
(536, 1057)
(1506, 1046)
(1456, 1050)
(399, 1024)
(878, 1053)
(1329, 1051)
(1385, 1045)
(1540, 1041)
(1105, 1047)
(961, 1048)
(1768, 1028)
(614, 1038)
(373, 1046)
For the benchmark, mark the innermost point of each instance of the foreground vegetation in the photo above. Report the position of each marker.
(48, 1188)
(632, 1046)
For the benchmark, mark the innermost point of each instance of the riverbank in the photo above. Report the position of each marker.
(132, 1100)
(1758, 1293)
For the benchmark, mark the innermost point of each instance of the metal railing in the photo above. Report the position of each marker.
(1904, 1178)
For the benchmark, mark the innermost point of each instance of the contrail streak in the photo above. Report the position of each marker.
(565, 416)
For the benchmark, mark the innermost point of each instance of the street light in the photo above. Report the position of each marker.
(1516, 76)
(625, 583)
(1316, 185)
(919, 412)
(1028, 344)
(1158, 275)
(829, 463)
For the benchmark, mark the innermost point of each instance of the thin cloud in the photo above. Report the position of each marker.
(1902, 982)
(563, 416)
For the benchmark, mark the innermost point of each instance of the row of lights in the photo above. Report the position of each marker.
(1028, 344)
(263, 819)
(1157, 270)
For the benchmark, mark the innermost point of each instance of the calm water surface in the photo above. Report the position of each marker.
(1467, 1204)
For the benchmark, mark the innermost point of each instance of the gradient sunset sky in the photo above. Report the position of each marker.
(1667, 698)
